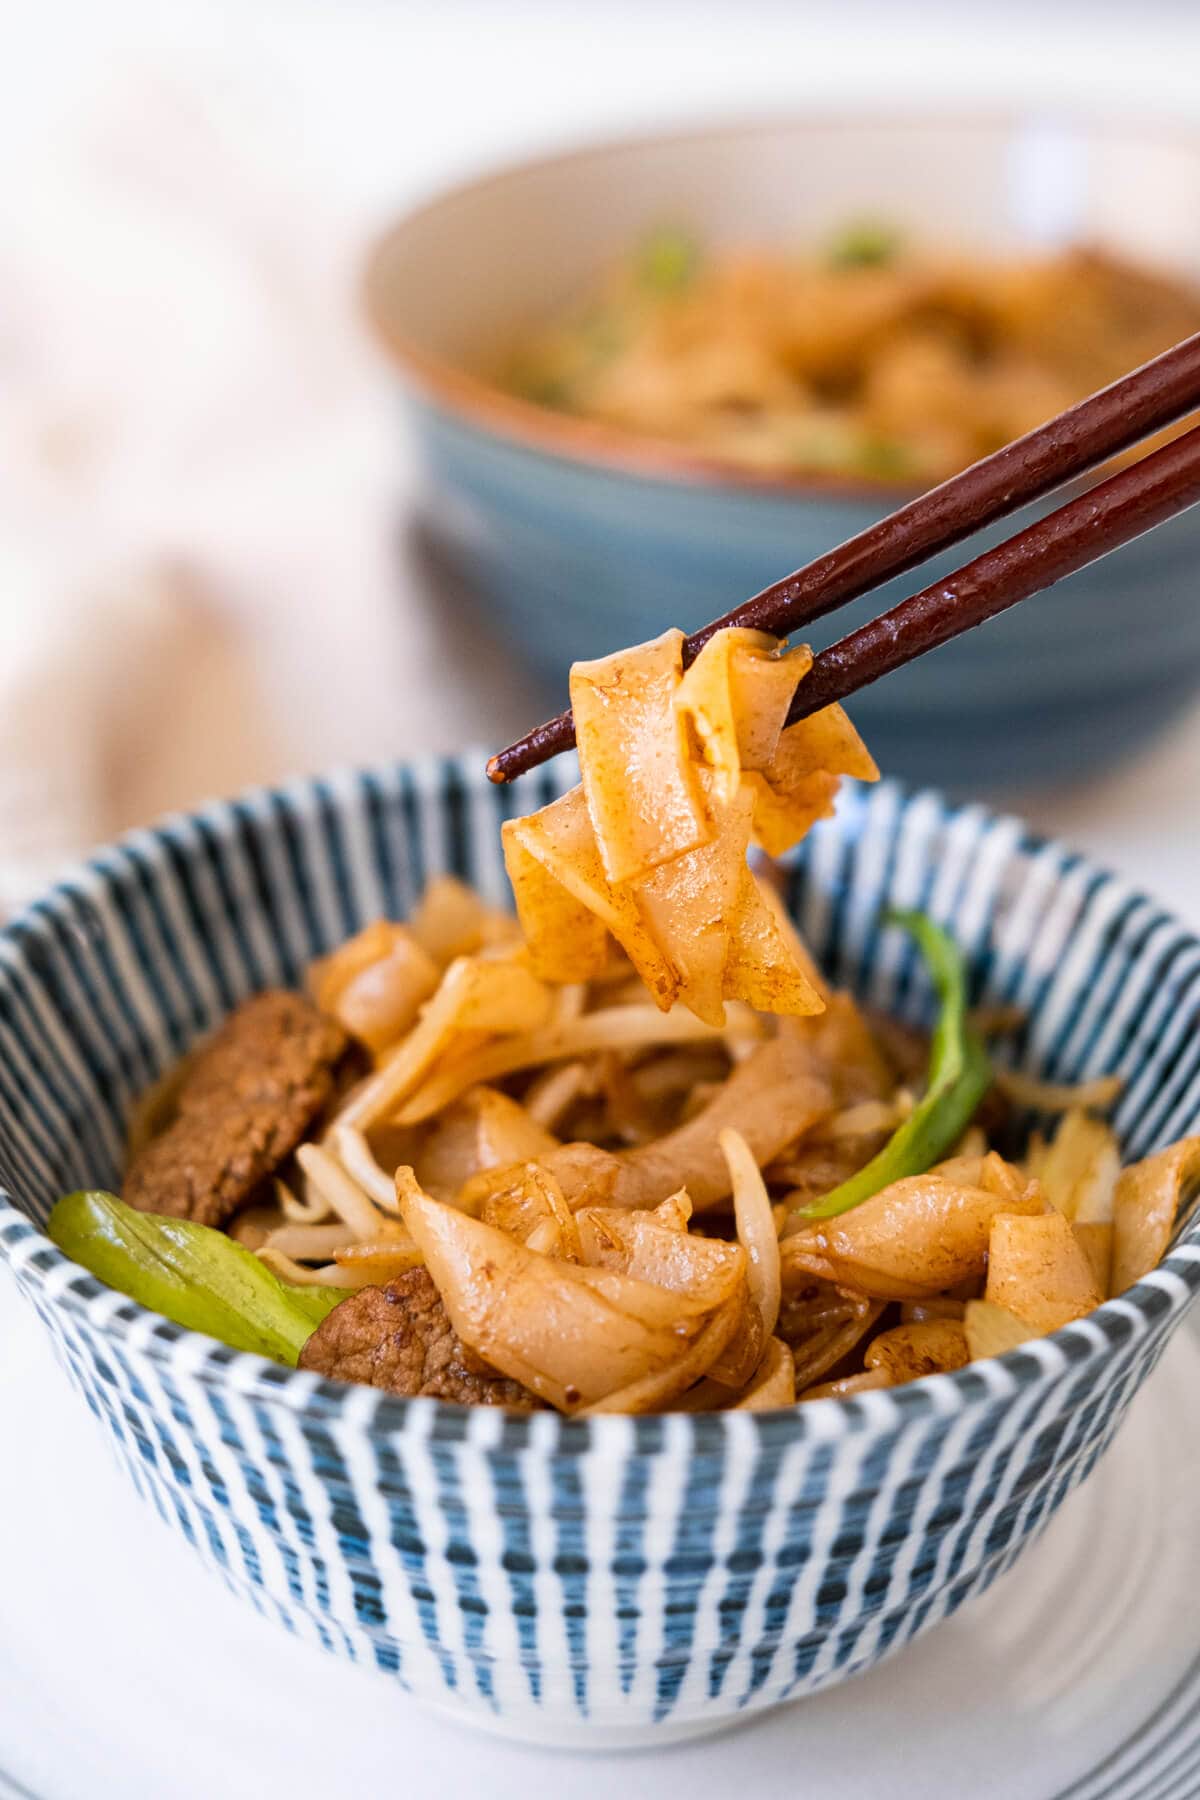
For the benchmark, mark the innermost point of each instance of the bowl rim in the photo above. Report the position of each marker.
(1156, 1303)
(477, 402)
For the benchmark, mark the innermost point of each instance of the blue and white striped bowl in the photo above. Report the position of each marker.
(615, 1580)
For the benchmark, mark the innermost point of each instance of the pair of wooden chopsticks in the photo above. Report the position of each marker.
(1111, 514)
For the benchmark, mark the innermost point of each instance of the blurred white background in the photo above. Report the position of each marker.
(204, 574)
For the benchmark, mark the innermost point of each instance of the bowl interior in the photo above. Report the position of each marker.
(455, 281)
(125, 964)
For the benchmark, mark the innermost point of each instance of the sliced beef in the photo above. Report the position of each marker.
(400, 1338)
(245, 1103)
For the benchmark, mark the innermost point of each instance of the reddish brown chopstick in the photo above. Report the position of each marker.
(1111, 514)
(1110, 421)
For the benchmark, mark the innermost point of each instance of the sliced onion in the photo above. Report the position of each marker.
(774, 1384)
(755, 1227)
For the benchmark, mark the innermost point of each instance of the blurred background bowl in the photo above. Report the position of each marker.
(578, 538)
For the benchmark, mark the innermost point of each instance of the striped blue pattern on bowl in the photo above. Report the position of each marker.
(613, 1580)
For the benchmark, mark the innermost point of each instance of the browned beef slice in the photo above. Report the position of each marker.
(400, 1338)
(246, 1102)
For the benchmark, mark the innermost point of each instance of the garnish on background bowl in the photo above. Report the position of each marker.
(873, 355)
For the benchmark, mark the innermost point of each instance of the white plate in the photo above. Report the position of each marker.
(125, 1670)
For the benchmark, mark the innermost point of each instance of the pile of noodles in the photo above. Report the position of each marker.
(598, 1128)
(871, 360)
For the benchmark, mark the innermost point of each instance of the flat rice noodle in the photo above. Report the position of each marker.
(847, 1386)
(1096, 1240)
(913, 1239)
(971, 1170)
(844, 1051)
(689, 902)
(822, 1324)
(774, 1382)
(674, 1213)
(1153, 1199)
(781, 821)
(303, 1275)
(907, 1352)
(476, 994)
(536, 1320)
(735, 698)
(312, 1209)
(765, 964)
(532, 1210)
(1038, 1270)
(567, 940)
(585, 1176)
(755, 1227)
(903, 1047)
(570, 1001)
(658, 1391)
(628, 1118)
(610, 1028)
(375, 983)
(648, 1304)
(992, 1330)
(643, 797)
(702, 1095)
(742, 1353)
(484, 1130)
(561, 839)
(800, 784)
(763, 688)
(451, 920)
(639, 1245)
(813, 1169)
(827, 742)
(764, 1099)
(1079, 1168)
